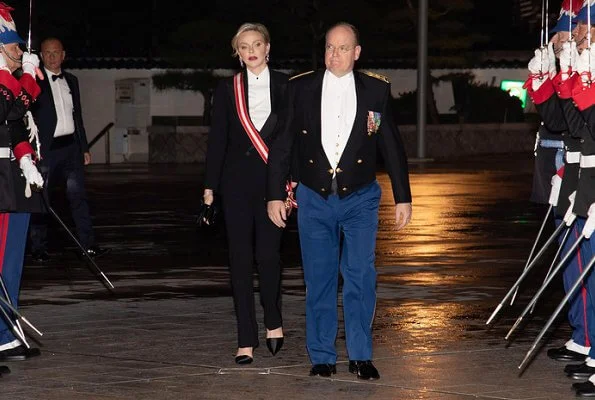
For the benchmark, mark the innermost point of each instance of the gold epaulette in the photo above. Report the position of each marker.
(377, 76)
(298, 75)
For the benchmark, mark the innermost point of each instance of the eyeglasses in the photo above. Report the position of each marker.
(329, 48)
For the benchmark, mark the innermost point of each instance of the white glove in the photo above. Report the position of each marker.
(590, 223)
(3, 64)
(570, 216)
(551, 54)
(539, 67)
(555, 192)
(30, 63)
(568, 57)
(585, 65)
(32, 175)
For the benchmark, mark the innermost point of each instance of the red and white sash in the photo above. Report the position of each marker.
(242, 109)
(259, 144)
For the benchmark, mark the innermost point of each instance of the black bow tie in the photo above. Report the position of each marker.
(59, 76)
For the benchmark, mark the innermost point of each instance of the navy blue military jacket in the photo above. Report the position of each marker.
(15, 100)
(298, 147)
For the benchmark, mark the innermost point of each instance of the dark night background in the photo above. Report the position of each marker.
(198, 32)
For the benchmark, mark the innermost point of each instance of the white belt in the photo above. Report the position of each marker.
(573, 157)
(587, 161)
(5, 152)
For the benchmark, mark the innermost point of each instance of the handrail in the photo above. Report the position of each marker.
(100, 134)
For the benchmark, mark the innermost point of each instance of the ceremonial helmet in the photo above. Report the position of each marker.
(8, 29)
(583, 15)
(569, 11)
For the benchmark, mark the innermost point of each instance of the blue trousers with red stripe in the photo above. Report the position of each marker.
(322, 223)
(580, 312)
(13, 238)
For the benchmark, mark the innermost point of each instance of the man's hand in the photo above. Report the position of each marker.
(30, 65)
(585, 65)
(3, 64)
(568, 58)
(402, 214)
(86, 158)
(31, 174)
(277, 213)
(538, 68)
(552, 60)
(540, 63)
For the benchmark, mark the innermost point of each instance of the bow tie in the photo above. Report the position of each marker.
(59, 76)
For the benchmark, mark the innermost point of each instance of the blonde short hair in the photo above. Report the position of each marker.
(249, 26)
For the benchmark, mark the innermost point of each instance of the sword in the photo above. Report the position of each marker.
(562, 304)
(545, 20)
(541, 34)
(549, 210)
(29, 36)
(92, 265)
(546, 283)
(8, 303)
(526, 271)
(549, 271)
(16, 321)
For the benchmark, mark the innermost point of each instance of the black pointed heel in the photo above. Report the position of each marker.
(274, 344)
(243, 360)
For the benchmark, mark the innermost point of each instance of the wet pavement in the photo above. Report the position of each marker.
(168, 329)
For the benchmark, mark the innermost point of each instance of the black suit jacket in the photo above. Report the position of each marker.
(44, 112)
(299, 146)
(233, 165)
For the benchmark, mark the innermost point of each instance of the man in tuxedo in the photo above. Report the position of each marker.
(337, 120)
(64, 148)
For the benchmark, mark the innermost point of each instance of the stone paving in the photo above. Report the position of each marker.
(168, 329)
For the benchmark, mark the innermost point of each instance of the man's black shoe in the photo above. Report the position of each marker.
(4, 370)
(573, 367)
(41, 256)
(582, 386)
(588, 390)
(563, 354)
(364, 369)
(95, 251)
(19, 353)
(582, 372)
(324, 370)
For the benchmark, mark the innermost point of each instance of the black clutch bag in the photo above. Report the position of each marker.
(207, 214)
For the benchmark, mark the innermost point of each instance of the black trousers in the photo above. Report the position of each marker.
(63, 164)
(253, 237)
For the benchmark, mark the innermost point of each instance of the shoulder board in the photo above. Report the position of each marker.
(377, 76)
(300, 75)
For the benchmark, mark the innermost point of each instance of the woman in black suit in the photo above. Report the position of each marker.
(246, 117)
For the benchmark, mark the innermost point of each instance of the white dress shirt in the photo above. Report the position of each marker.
(259, 97)
(63, 103)
(338, 108)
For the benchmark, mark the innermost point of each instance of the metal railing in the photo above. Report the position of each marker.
(101, 133)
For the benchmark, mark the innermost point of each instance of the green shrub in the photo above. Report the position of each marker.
(474, 103)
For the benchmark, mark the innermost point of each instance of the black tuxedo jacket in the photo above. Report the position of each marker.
(44, 112)
(299, 147)
(233, 165)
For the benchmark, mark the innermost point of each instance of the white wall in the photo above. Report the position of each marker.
(98, 91)
(98, 94)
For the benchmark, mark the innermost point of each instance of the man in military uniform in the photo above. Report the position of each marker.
(337, 121)
(558, 149)
(18, 173)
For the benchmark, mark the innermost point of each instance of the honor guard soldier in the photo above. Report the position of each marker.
(19, 177)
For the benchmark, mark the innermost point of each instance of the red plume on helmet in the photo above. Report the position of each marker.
(572, 7)
(8, 29)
